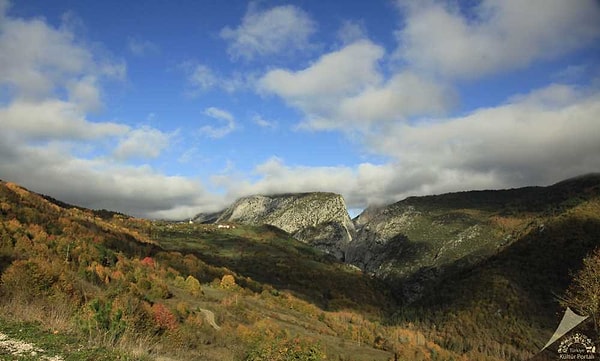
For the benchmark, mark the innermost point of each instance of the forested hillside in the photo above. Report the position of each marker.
(101, 286)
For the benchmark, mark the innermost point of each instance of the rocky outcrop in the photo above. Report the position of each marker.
(320, 219)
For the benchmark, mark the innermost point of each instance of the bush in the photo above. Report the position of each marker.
(102, 320)
(282, 349)
(227, 282)
(28, 280)
(163, 317)
(193, 285)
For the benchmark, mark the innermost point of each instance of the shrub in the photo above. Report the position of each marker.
(227, 282)
(149, 262)
(193, 285)
(282, 349)
(102, 320)
(28, 279)
(163, 317)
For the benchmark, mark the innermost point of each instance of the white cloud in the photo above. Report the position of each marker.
(223, 116)
(51, 80)
(281, 29)
(97, 183)
(53, 120)
(202, 78)
(526, 141)
(144, 142)
(264, 123)
(351, 32)
(141, 47)
(346, 90)
(38, 60)
(85, 93)
(537, 138)
(276, 177)
(404, 95)
(498, 35)
(337, 74)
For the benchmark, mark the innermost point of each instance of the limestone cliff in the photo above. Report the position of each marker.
(320, 219)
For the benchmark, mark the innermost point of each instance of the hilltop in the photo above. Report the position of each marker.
(319, 219)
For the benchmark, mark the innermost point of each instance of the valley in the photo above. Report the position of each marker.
(462, 276)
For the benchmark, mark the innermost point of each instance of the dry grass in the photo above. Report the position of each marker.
(56, 317)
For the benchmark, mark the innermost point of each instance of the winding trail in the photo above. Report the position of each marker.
(210, 317)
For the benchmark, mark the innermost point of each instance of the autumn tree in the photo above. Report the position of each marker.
(583, 295)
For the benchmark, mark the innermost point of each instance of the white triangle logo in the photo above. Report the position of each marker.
(569, 321)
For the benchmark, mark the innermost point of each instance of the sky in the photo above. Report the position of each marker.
(165, 109)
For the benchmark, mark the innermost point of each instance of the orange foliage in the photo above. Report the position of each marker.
(149, 262)
(163, 317)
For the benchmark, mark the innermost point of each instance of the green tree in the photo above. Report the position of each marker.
(583, 295)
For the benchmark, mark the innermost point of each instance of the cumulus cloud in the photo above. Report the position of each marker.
(97, 183)
(362, 185)
(538, 138)
(334, 75)
(202, 77)
(346, 88)
(494, 36)
(85, 93)
(281, 29)
(37, 60)
(275, 177)
(144, 142)
(47, 142)
(224, 117)
(406, 94)
(53, 120)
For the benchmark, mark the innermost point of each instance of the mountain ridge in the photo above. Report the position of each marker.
(290, 212)
(318, 218)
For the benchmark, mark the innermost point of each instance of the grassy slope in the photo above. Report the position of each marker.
(110, 282)
(507, 304)
(286, 296)
(271, 257)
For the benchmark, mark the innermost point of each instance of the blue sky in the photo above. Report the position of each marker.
(164, 111)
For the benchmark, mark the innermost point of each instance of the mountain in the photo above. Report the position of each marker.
(420, 236)
(78, 284)
(319, 219)
(469, 275)
(488, 265)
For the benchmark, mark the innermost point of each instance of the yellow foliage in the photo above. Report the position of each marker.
(193, 285)
(228, 282)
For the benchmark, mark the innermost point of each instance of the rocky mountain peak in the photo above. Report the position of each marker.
(318, 218)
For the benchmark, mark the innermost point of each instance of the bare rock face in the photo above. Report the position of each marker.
(319, 219)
